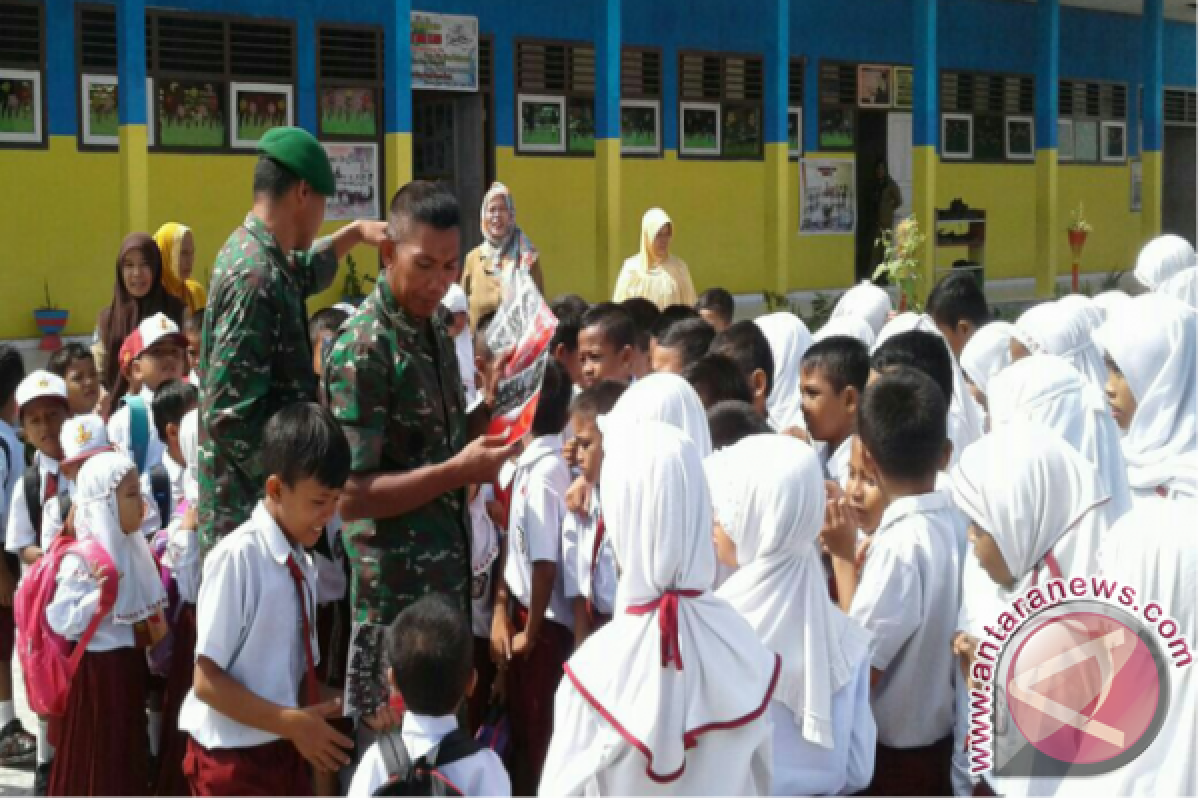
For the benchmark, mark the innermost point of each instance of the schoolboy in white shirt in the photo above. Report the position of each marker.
(256, 642)
(152, 355)
(908, 593)
(42, 403)
(429, 651)
(172, 402)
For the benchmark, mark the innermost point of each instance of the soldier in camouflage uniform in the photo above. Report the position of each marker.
(392, 380)
(256, 357)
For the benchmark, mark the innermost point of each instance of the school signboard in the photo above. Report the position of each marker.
(445, 52)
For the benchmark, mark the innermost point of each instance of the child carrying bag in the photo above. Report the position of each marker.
(423, 778)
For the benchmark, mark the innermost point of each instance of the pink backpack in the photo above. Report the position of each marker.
(49, 661)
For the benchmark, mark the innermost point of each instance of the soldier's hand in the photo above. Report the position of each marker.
(480, 461)
(373, 232)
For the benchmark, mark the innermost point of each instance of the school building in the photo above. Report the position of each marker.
(745, 119)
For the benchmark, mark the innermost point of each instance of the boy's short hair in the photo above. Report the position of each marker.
(902, 423)
(600, 399)
(12, 372)
(747, 345)
(615, 324)
(429, 648)
(958, 297)
(193, 322)
(421, 203)
(66, 355)
(302, 441)
(670, 316)
(716, 379)
(327, 320)
(570, 305)
(569, 310)
(719, 302)
(554, 400)
(691, 337)
(923, 351)
(645, 317)
(172, 401)
(730, 421)
(842, 360)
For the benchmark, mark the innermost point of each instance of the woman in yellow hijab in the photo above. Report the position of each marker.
(654, 273)
(178, 248)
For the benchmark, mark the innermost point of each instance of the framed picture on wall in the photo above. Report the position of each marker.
(581, 125)
(98, 114)
(874, 86)
(641, 131)
(1112, 136)
(191, 114)
(958, 136)
(1018, 138)
(541, 124)
(256, 108)
(903, 78)
(700, 129)
(835, 129)
(20, 106)
(352, 111)
(1066, 140)
(795, 131)
(1087, 140)
(741, 132)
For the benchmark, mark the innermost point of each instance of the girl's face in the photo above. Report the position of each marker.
(137, 274)
(726, 549)
(130, 507)
(1120, 396)
(863, 491)
(989, 556)
(83, 386)
(187, 255)
(497, 217)
(662, 243)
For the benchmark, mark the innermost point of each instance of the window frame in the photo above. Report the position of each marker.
(566, 95)
(376, 87)
(1100, 119)
(1003, 114)
(642, 100)
(41, 136)
(724, 104)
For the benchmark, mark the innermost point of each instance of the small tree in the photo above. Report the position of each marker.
(900, 262)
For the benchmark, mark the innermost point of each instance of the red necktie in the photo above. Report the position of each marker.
(591, 605)
(312, 696)
(51, 487)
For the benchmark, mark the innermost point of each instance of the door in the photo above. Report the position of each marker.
(870, 150)
(1179, 182)
(900, 158)
(448, 147)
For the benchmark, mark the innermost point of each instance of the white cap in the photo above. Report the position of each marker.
(83, 437)
(153, 328)
(455, 300)
(40, 384)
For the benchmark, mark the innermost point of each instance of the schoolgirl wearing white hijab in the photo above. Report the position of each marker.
(670, 698)
(789, 339)
(847, 326)
(1151, 349)
(666, 397)
(1163, 258)
(824, 730)
(1111, 302)
(987, 353)
(1064, 331)
(1182, 287)
(1047, 390)
(867, 302)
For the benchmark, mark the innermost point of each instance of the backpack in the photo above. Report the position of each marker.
(423, 778)
(48, 660)
(139, 434)
(33, 499)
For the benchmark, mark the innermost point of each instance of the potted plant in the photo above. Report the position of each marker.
(50, 320)
(354, 287)
(1077, 233)
(900, 262)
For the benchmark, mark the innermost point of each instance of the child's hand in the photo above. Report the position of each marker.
(579, 496)
(191, 520)
(839, 533)
(502, 639)
(384, 719)
(496, 512)
(522, 645)
(964, 646)
(317, 740)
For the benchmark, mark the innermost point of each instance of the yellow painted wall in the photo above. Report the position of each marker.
(1117, 232)
(817, 262)
(1008, 194)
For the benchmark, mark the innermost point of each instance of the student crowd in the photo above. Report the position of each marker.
(730, 557)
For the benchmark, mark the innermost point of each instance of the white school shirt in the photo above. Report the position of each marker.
(121, 435)
(837, 462)
(183, 558)
(483, 607)
(908, 598)
(593, 580)
(74, 605)
(175, 473)
(804, 769)
(248, 623)
(10, 469)
(535, 524)
(478, 775)
(19, 533)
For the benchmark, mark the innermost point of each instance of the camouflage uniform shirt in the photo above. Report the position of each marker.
(393, 382)
(256, 358)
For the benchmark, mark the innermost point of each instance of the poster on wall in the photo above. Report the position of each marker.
(827, 202)
(99, 112)
(20, 106)
(258, 107)
(445, 52)
(191, 114)
(356, 170)
(349, 112)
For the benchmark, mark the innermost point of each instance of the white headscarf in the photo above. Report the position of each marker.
(1082, 304)
(789, 339)
(1182, 287)
(666, 397)
(189, 443)
(987, 353)
(866, 301)
(1064, 331)
(1162, 258)
(1111, 302)
(1034, 494)
(455, 302)
(1153, 343)
(774, 516)
(1047, 390)
(140, 592)
(847, 326)
(675, 661)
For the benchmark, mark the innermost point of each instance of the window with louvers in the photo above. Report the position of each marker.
(1095, 113)
(1179, 107)
(733, 86)
(641, 101)
(21, 26)
(548, 73)
(350, 82)
(997, 104)
(22, 67)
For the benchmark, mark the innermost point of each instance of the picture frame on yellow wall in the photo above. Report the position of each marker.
(1018, 139)
(958, 136)
(98, 110)
(699, 129)
(1113, 145)
(1066, 141)
(255, 108)
(21, 100)
(541, 124)
(641, 127)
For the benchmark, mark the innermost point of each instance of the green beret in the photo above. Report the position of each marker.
(299, 152)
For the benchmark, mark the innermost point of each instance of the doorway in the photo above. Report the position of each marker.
(448, 147)
(1179, 182)
(870, 149)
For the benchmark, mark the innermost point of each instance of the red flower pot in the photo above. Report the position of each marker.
(1076, 240)
(51, 323)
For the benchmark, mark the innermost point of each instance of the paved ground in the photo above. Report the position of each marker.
(15, 782)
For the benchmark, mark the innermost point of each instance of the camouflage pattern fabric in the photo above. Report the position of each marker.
(255, 359)
(393, 383)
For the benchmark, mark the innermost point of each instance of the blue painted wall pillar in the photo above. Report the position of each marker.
(131, 115)
(608, 145)
(397, 100)
(1152, 117)
(777, 230)
(1047, 232)
(306, 73)
(925, 132)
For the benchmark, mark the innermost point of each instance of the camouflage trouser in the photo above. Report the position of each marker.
(388, 580)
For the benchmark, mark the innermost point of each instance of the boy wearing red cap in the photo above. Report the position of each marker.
(152, 355)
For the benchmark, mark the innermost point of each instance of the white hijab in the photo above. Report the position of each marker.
(455, 302)
(1034, 494)
(1182, 287)
(1111, 302)
(1162, 258)
(1064, 331)
(666, 397)
(789, 339)
(867, 302)
(1082, 304)
(773, 517)
(140, 591)
(675, 662)
(847, 326)
(189, 443)
(1153, 343)
(1047, 390)
(987, 353)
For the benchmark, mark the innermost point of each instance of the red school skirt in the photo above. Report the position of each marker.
(101, 742)
(275, 769)
(916, 772)
(171, 781)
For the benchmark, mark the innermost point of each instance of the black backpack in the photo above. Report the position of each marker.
(423, 778)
